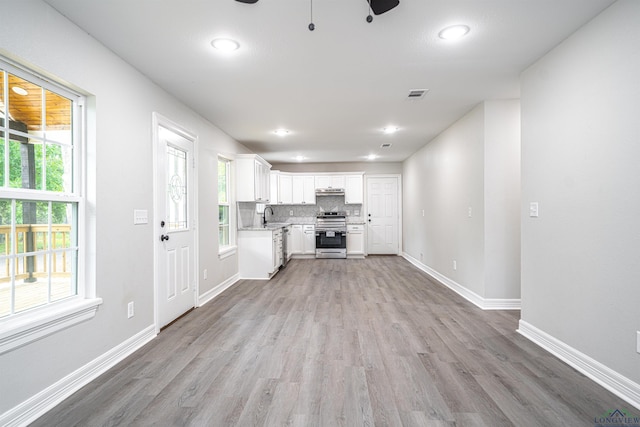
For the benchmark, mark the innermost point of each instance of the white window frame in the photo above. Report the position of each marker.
(22, 328)
(231, 248)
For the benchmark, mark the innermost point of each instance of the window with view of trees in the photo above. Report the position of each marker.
(39, 194)
(224, 235)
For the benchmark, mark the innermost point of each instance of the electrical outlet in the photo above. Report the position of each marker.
(422, 212)
(291, 212)
(130, 310)
(204, 274)
(455, 264)
(469, 212)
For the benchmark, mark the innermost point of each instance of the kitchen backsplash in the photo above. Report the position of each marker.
(306, 214)
(249, 216)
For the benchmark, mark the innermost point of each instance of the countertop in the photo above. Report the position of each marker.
(270, 226)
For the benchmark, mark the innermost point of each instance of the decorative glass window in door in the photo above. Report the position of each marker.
(176, 188)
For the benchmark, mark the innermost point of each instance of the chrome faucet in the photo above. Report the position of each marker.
(264, 214)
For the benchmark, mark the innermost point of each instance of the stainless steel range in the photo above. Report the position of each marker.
(331, 235)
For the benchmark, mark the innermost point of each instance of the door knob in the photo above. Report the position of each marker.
(164, 237)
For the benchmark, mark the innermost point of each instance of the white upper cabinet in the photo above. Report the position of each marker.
(285, 189)
(329, 181)
(354, 189)
(274, 192)
(252, 176)
(303, 190)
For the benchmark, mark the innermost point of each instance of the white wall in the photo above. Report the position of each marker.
(372, 167)
(444, 179)
(124, 101)
(474, 164)
(502, 199)
(581, 162)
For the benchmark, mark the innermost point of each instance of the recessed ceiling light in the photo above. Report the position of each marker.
(19, 90)
(390, 129)
(225, 45)
(281, 132)
(300, 158)
(454, 32)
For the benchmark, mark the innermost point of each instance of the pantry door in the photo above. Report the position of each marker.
(175, 235)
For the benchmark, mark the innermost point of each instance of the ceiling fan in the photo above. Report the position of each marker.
(377, 6)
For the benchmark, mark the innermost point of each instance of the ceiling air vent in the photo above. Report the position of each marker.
(417, 93)
(385, 145)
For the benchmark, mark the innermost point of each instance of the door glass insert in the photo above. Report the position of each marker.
(176, 188)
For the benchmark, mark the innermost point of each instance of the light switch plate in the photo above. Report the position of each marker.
(533, 209)
(638, 341)
(140, 216)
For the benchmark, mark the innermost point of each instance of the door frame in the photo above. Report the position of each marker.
(366, 208)
(157, 121)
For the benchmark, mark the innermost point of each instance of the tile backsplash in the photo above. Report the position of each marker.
(306, 214)
(249, 216)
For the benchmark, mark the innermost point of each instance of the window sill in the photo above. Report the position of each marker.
(23, 330)
(227, 252)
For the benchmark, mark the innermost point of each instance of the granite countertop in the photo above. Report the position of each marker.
(270, 226)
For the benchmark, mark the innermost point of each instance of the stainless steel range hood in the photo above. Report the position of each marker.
(329, 191)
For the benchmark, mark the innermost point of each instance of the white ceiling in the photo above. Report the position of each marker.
(334, 88)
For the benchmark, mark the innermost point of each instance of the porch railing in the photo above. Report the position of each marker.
(34, 238)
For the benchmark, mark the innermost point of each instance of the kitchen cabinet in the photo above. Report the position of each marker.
(354, 189)
(329, 181)
(277, 249)
(355, 240)
(274, 192)
(309, 239)
(303, 190)
(297, 238)
(259, 253)
(289, 241)
(252, 175)
(285, 189)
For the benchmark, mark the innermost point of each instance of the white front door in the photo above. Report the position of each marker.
(175, 255)
(382, 215)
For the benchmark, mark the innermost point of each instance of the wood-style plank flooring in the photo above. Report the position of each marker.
(339, 343)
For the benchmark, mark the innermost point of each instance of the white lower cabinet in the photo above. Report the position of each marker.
(303, 240)
(259, 253)
(355, 240)
(297, 237)
(309, 241)
(277, 249)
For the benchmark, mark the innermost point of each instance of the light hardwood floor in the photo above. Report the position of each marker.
(339, 343)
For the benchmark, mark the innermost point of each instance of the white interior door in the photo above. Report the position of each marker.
(175, 223)
(382, 215)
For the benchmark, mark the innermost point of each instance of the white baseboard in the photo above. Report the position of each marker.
(211, 294)
(483, 303)
(611, 380)
(36, 406)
